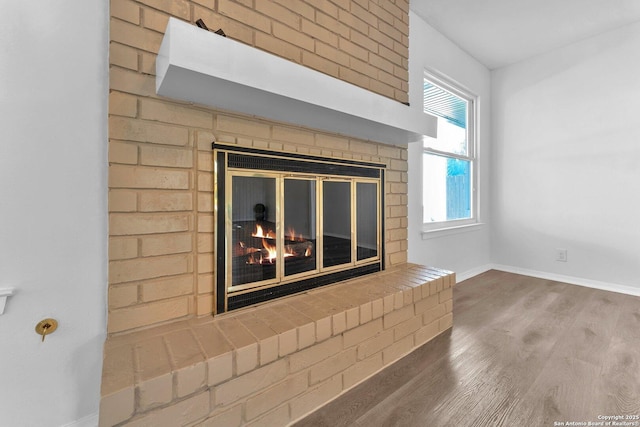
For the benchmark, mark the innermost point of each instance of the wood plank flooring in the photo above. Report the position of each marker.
(522, 352)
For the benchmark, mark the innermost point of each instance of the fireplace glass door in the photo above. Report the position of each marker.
(367, 237)
(253, 230)
(291, 225)
(299, 226)
(336, 223)
(277, 226)
(338, 215)
(274, 224)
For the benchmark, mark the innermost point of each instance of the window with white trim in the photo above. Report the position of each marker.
(449, 164)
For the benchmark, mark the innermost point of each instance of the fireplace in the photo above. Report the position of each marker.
(286, 223)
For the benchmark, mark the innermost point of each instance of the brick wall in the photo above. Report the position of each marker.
(160, 159)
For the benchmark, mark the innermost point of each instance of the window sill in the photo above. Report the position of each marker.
(447, 231)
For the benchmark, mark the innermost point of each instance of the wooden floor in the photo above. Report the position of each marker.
(522, 352)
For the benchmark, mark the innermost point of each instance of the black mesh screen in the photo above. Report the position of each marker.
(243, 161)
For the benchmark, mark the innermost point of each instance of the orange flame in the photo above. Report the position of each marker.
(260, 233)
(269, 253)
(292, 236)
(272, 253)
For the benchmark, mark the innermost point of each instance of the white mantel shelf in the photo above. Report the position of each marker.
(205, 68)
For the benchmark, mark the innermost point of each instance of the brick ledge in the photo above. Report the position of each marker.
(305, 350)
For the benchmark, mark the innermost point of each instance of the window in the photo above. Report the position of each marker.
(448, 161)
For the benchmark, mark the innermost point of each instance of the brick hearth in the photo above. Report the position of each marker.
(274, 363)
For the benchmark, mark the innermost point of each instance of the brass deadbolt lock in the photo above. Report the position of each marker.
(46, 326)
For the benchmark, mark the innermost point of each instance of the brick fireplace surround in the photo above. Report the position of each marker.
(167, 360)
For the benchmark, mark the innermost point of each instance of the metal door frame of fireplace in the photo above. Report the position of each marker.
(231, 160)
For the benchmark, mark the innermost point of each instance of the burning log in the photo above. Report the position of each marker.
(240, 249)
(299, 248)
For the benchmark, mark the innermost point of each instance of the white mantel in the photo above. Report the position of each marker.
(199, 66)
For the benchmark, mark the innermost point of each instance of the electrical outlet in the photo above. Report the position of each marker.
(561, 255)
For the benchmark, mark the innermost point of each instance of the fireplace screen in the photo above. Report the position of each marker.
(256, 231)
(288, 224)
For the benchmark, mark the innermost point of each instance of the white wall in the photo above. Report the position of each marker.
(53, 223)
(462, 252)
(566, 134)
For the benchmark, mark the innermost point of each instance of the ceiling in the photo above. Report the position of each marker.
(502, 32)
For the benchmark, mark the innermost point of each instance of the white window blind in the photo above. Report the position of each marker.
(442, 103)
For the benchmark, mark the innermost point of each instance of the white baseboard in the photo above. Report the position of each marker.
(88, 421)
(473, 272)
(572, 280)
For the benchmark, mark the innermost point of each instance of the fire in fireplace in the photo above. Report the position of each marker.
(288, 223)
(254, 257)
